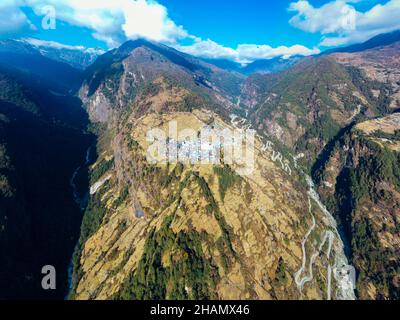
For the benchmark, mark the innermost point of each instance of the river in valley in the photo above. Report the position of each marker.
(79, 183)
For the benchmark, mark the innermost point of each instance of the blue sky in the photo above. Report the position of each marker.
(246, 21)
(239, 30)
(240, 21)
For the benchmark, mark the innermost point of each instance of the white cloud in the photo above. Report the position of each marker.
(252, 51)
(208, 49)
(12, 19)
(51, 44)
(56, 45)
(150, 20)
(114, 21)
(244, 53)
(340, 23)
(335, 16)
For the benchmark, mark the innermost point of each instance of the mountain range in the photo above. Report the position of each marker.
(323, 196)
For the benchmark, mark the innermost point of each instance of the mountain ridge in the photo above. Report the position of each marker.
(155, 204)
(377, 41)
(267, 235)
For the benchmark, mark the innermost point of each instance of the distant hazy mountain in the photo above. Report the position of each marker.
(78, 57)
(273, 65)
(279, 64)
(225, 64)
(21, 56)
(377, 41)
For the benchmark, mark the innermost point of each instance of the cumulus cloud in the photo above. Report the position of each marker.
(340, 23)
(252, 51)
(208, 49)
(115, 21)
(150, 20)
(244, 53)
(12, 19)
(337, 16)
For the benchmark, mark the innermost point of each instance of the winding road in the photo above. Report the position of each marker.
(343, 273)
(341, 268)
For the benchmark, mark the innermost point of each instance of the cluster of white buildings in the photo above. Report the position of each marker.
(207, 146)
